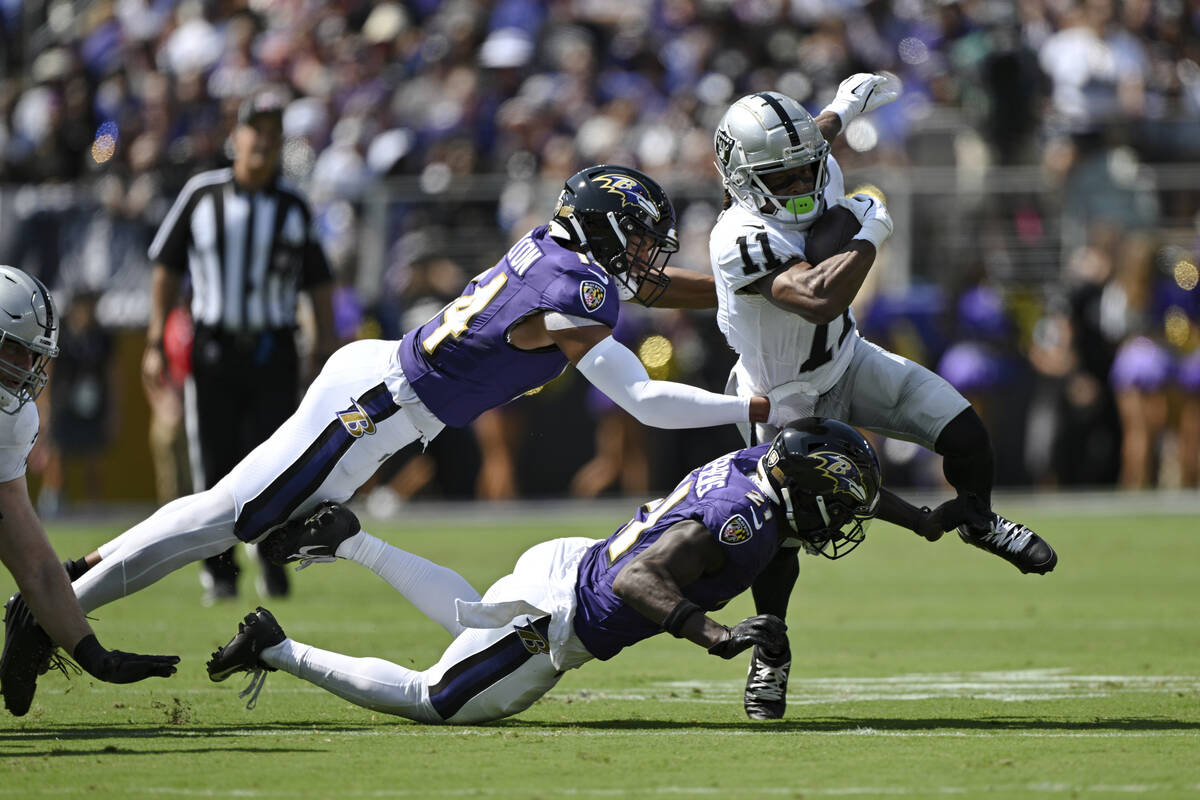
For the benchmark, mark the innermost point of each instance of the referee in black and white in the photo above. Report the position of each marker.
(244, 238)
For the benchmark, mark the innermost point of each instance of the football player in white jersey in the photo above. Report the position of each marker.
(28, 343)
(791, 324)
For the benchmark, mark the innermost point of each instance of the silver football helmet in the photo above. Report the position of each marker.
(28, 338)
(771, 157)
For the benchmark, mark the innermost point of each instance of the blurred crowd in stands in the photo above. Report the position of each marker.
(1048, 152)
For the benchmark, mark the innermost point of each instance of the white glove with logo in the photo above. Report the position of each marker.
(863, 92)
(872, 215)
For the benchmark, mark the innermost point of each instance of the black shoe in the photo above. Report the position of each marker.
(272, 580)
(258, 632)
(314, 540)
(27, 654)
(766, 685)
(1015, 543)
(218, 577)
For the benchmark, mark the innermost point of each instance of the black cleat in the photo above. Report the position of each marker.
(766, 685)
(218, 578)
(258, 632)
(1015, 543)
(272, 580)
(27, 654)
(313, 540)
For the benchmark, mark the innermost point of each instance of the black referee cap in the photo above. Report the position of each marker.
(262, 103)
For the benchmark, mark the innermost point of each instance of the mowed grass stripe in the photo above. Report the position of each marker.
(918, 670)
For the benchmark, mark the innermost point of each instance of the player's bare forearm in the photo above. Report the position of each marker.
(650, 583)
(772, 589)
(820, 292)
(688, 289)
(27, 554)
(829, 124)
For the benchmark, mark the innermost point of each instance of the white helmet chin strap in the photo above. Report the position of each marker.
(821, 506)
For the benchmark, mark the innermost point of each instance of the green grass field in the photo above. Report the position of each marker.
(919, 670)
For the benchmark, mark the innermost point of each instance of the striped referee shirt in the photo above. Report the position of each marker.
(248, 253)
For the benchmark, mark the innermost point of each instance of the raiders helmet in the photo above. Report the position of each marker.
(28, 338)
(624, 220)
(764, 141)
(825, 476)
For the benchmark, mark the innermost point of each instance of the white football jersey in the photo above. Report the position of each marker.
(18, 432)
(775, 345)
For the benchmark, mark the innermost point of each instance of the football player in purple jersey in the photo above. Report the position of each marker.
(815, 486)
(551, 301)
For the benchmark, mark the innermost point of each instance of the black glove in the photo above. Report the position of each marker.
(117, 666)
(766, 630)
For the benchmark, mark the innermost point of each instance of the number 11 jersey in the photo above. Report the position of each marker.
(461, 363)
(775, 345)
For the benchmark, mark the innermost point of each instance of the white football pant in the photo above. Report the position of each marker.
(358, 412)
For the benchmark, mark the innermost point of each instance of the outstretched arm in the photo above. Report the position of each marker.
(688, 289)
(651, 584)
(613, 369)
(858, 94)
(26, 552)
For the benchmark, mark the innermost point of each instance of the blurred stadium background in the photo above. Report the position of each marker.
(1042, 166)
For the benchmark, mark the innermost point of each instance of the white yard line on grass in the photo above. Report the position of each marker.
(671, 791)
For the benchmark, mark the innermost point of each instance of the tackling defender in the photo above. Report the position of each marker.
(791, 324)
(551, 301)
(28, 343)
(568, 601)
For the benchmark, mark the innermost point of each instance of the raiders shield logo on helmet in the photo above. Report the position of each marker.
(356, 422)
(736, 530)
(592, 295)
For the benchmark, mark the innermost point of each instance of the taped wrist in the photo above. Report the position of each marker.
(90, 654)
(678, 615)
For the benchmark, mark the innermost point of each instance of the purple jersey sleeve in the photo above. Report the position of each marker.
(461, 363)
(586, 291)
(721, 496)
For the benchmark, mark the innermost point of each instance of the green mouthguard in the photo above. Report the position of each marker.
(801, 205)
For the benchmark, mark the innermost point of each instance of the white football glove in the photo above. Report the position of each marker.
(863, 92)
(872, 215)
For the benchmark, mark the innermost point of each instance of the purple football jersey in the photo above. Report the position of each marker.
(460, 363)
(721, 496)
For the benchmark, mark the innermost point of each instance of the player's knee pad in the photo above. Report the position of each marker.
(964, 437)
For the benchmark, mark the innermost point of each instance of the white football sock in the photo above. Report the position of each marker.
(368, 682)
(430, 587)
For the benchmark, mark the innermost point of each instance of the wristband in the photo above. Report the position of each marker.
(90, 654)
(680, 614)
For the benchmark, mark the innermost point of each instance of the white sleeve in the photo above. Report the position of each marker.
(615, 370)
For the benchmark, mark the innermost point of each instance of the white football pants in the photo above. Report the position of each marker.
(485, 674)
(879, 391)
(358, 412)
